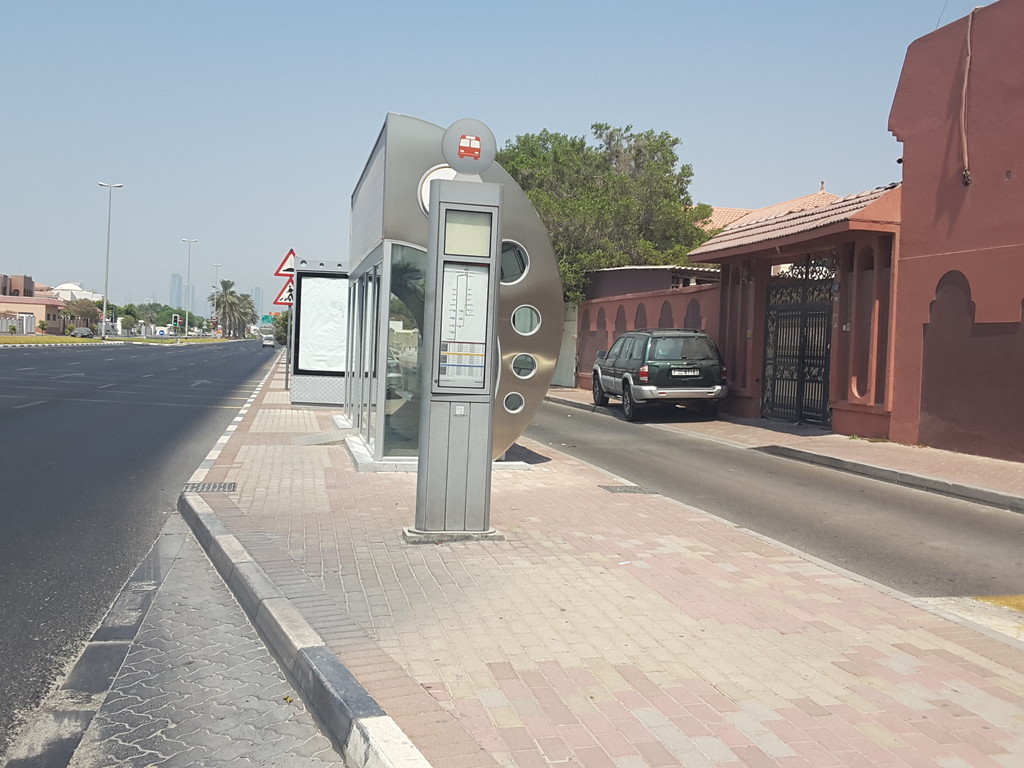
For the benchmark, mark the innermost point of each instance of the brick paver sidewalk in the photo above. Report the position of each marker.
(608, 628)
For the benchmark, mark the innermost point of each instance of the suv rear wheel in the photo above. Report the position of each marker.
(600, 397)
(629, 407)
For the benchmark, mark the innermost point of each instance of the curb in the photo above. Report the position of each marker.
(359, 729)
(896, 477)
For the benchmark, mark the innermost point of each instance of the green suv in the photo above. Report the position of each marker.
(669, 365)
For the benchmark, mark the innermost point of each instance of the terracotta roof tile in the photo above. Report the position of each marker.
(815, 200)
(782, 223)
(723, 217)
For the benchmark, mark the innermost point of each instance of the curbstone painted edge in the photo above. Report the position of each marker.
(359, 729)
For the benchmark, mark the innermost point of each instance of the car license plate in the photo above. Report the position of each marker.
(686, 371)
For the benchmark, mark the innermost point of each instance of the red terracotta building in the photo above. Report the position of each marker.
(959, 111)
(895, 312)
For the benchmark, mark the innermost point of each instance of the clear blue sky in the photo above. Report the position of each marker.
(246, 125)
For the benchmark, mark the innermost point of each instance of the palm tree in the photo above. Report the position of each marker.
(235, 311)
(221, 300)
(147, 313)
(247, 311)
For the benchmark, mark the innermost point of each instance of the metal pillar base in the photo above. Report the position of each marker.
(414, 536)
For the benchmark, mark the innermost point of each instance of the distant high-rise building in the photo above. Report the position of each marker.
(257, 300)
(177, 292)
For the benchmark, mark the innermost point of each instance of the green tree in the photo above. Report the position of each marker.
(281, 327)
(83, 309)
(235, 311)
(129, 317)
(148, 312)
(622, 201)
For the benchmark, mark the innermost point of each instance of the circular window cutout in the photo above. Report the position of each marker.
(524, 366)
(443, 172)
(514, 402)
(526, 320)
(515, 261)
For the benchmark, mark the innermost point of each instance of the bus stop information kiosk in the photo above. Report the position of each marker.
(453, 484)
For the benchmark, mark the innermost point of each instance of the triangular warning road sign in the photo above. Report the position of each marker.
(287, 295)
(287, 268)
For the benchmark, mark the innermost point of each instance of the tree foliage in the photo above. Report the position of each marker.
(83, 309)
(281, 327)
(235, 311)
(622, 201)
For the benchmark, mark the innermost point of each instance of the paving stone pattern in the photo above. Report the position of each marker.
(610, 630)
(198, 688)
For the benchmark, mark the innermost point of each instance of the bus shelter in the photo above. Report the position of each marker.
(387, 272)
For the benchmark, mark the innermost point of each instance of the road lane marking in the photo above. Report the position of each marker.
(28, 405)
(104, 386)
(148, 376)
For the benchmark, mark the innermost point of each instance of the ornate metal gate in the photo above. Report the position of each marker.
(797, 345)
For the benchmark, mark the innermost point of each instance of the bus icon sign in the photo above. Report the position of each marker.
(469, 146)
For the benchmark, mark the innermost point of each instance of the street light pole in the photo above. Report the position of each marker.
(188, 279)
(216, 286)
(106, 271)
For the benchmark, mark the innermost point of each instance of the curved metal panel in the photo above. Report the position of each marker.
(411, 148)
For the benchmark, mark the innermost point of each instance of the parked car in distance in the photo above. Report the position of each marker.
(661, 365)
(81, 333)
(268, 340)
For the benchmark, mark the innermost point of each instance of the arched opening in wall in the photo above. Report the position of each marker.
(641, 316)
(666, 320)
(990, 420)
(729, 334)
(601, 331)
(693, 317)
(862, 274)
(620, 320)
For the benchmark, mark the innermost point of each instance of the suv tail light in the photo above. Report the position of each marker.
(643, 373)
(725, 374)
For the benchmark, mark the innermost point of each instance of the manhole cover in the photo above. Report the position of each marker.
(625, 489)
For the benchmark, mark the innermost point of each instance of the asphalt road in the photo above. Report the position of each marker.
(920, 543)
(95, 444)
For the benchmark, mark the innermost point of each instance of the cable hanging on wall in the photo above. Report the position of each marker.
(966, 176)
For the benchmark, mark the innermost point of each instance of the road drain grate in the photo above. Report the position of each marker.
(209, 488)
(625, 489)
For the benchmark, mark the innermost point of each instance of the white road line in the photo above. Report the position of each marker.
(28, 405)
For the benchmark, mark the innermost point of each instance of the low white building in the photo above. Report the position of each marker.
(72, 291)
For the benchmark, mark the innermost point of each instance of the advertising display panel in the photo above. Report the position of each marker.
(321, 324)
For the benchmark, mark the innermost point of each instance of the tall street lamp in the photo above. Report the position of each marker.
(216, 283)
(106, 271)
(188, 278)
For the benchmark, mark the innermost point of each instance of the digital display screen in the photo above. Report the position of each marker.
(467, 233)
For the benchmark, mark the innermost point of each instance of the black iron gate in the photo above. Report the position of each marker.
(797, 344)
